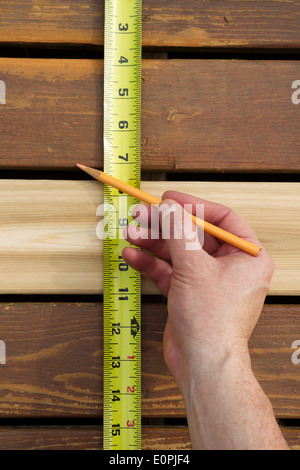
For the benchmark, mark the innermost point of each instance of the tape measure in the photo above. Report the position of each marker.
(122, 285)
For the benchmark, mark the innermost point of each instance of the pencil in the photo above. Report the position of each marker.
(148, 199)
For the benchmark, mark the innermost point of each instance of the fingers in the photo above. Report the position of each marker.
(176, 249)
(143, 240)
(157, 270)
(218, 215)
(169, 226)
(147, 236)
(181, 237)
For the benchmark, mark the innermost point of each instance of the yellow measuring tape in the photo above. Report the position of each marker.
(122, 290)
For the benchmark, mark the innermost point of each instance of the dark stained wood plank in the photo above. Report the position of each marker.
(54, 360)
(50, 438)
(292, 436)
(196, 115)
(53, 114)
(90, 438)
(271, 355)
(50, 105)
(176, 23)
(221, 115)
(177, 438)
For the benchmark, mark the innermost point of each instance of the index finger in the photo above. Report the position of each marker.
(216, 214)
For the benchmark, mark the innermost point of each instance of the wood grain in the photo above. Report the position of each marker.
(214, 116)
(54, 360)
(174, 23)
(50, 438)
(48, 241)
(90, 438)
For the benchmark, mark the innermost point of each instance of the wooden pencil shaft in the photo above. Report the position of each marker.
(148, 199)
(128, 188)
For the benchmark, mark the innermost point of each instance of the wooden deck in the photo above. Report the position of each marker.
(218, 121)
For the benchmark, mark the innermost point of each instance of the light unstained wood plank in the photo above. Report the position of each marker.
(171, 23)
(54, 360)
(204, 115)
(90, 438)
(48, 241)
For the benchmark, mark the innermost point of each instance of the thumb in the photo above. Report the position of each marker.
(184, 241)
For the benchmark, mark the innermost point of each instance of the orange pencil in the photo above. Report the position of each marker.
(148, 199)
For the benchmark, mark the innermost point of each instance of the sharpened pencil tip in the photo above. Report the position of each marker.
(82, 167)
(90, 171)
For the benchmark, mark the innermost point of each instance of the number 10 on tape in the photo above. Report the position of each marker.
(122, 290)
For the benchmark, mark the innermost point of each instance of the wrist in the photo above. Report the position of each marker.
(202, 377)
(227, 409)
(212, 396)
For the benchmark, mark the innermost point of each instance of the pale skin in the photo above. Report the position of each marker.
(215, 297)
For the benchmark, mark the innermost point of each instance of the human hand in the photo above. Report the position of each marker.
(215, 294)
(215, 297)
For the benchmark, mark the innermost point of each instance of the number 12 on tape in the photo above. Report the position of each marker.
(122, 285)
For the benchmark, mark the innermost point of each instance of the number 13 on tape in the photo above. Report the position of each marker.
(122, 285)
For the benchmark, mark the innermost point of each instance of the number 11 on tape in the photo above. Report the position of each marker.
(122, 285)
